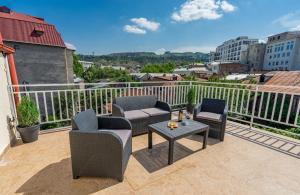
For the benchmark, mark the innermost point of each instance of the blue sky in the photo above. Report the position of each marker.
(107, 26)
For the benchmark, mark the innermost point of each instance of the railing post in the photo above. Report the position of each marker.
(129, 86)
(253, 107)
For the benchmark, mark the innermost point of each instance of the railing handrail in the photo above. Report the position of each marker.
(150, 82)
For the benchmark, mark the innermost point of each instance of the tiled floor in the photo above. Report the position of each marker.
(238, 165)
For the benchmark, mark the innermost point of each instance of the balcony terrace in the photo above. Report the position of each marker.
(249, 161)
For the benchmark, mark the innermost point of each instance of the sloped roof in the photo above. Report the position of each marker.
(284, 82)
(19, 27)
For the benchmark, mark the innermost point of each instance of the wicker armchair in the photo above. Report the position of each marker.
(212, 112)
(100, 146)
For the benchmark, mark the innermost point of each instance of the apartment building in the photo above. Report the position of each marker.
(255, 56)
(232, 50)
(283, 52)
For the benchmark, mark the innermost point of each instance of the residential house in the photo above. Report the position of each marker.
(41, 55)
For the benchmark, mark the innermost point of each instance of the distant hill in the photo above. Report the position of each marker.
(132, 59)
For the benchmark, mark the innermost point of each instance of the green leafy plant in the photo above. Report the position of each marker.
(28, 114)
(191, 96)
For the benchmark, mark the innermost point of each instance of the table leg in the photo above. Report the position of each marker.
(171, 152)
(205, 136)
(149, 139)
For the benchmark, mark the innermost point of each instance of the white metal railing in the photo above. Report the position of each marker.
(255, 104)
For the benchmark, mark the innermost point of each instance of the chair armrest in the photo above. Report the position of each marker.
(94, 139)
(163, 105)
(117, 110)
(197, 109)
(113, 123)
(225, 113)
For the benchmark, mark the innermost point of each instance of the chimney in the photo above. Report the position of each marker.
(5, 9)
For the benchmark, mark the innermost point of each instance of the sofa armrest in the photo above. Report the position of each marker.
(113, 123)
(197, 109)
(163, 105)
(117, 110)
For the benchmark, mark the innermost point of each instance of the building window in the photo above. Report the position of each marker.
(286, 62)
(283, 54)
(277, 63)
(288, 54)
(278, 55)
(270, 56)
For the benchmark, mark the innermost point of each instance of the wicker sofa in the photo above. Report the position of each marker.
(141, 111)
(212, 112)
(100, 146)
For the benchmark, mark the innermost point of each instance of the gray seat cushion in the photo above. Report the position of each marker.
(135, 114)
(123, 134)
(154, 111)
(210, 116)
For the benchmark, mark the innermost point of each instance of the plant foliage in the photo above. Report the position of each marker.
(28, 114)
(191, 96)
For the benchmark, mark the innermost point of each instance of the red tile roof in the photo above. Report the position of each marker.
(28, 29)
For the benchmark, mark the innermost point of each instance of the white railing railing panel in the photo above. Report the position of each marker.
(253, 103)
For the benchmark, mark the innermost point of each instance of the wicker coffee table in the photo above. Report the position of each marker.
(182, 131)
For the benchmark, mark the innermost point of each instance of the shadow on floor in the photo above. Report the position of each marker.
(199, 139)
(57, 178)
(157, 158)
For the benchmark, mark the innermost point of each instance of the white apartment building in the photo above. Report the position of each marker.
(232, 50)
(86, 64)
(283, 52)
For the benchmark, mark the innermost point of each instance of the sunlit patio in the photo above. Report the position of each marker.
(235, 166)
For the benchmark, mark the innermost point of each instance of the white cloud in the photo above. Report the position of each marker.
(204, 49)
(227, 7)
(291, 21)
(202, 9)
(134, 29)
(146, 24)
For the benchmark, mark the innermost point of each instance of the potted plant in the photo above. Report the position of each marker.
(28, 118)
(191, 97)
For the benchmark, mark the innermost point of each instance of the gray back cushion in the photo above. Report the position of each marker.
(136, 102)
(86, 121)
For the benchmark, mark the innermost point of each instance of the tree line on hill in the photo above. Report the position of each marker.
(143, 58)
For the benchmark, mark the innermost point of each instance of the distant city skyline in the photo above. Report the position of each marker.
(111, 26)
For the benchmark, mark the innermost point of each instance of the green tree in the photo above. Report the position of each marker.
(159, 68)
(77, 66)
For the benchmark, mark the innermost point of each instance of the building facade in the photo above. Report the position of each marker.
(231, 50)
(41, 56)
(255, 56)
(283, 52)
(226, 68)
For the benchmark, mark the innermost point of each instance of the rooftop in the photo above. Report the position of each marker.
(23, 28)
(235, 166)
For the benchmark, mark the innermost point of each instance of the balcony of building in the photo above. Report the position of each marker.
(249, 161)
